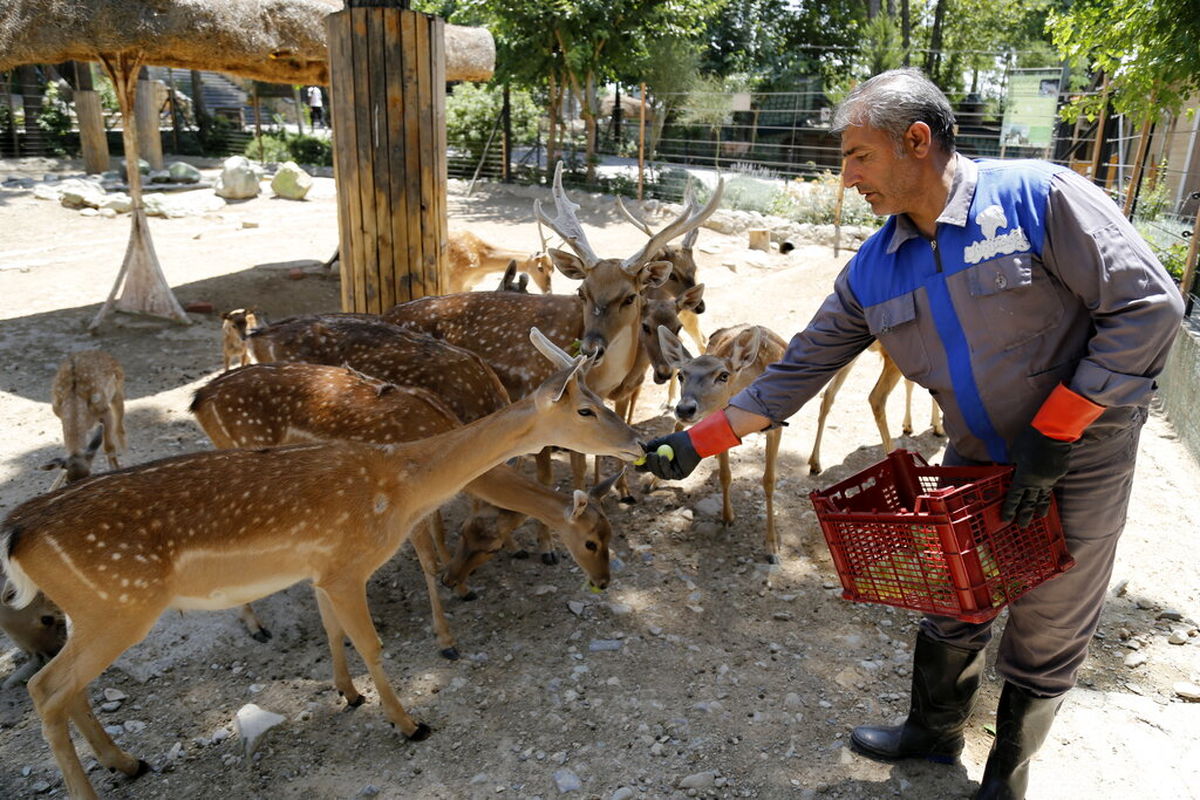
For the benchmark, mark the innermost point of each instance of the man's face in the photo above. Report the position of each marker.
(886, 179)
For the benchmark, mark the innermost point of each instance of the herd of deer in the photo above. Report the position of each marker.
(347, 432)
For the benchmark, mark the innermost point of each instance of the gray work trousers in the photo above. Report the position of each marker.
(1046, 638)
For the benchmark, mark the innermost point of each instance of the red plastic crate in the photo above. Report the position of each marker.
(930, 539)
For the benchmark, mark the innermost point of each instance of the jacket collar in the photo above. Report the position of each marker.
(958, 204)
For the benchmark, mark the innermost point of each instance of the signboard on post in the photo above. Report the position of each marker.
(1031, 109)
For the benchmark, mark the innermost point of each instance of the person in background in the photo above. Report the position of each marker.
(316, 106)
(1038, 318)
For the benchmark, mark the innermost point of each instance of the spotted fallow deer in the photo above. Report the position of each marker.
(469, 260)
(39, 630)
(115, 551)
(734, 358)
(603, 321)
(236, 325)
(889, 376)
(89, 388)
(267, 405)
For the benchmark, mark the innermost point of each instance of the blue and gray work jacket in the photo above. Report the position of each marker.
(1033, 278)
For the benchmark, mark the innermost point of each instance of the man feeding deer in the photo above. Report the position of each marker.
(1021, 298)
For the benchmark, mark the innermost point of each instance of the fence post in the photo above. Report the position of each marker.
(1189, 267)
(642, 143)
(1139, 163)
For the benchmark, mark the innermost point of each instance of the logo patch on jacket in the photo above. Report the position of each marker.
(991, 220)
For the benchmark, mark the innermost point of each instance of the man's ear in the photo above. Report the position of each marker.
(918, 139)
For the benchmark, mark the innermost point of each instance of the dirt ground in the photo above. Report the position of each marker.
(701, 672)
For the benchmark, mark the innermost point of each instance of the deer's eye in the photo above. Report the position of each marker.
(586, 412)
(723, 377)
(629, 300)
(592, 546)
(645, 327)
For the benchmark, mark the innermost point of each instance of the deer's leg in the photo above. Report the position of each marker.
(907, 427)
(59, 689)
(545, 473)
(423, 538)
(337, 649)
(346, 601)
(437, 530)
(878, 400)
(726, 479)
(691, 324)
(773, 438)
(253, 624)
(827, 397)
(935, 417)
(112, 436)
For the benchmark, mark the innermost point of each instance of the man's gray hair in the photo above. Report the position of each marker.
(892, 101)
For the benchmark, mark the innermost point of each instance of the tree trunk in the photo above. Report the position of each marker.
(555, 95)
(906, 29)
(198, 107)
(143, 287)
(31, 99)
(933, 59)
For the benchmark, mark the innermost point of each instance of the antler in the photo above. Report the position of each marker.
(638, 223)
(686, 221)
(566, 224)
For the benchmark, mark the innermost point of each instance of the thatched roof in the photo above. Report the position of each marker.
(281, 41)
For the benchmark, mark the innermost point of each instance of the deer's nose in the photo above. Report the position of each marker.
(685, 410)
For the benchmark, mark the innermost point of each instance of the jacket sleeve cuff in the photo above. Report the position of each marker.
(1065, 414)
(713, 435)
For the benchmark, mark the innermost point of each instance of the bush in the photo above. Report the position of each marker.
(471, 113)
(55, 120)
(217, 136)
(268, 148)
(310, 150)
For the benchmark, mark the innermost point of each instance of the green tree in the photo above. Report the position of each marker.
(1147, 48)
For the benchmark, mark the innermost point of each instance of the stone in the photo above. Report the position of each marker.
(160, 176)
(1187, 690)
(252, 723)
(75, 193)
(1136, 659)
(182, 172)
(604, 645)
(567, 781)
(1178, 637)
(623, 793)
(291, 182)
(118, 202)
(238, 179)
(698, 780)
(143, 166)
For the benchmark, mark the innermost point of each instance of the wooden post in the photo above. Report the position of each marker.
(759, 239)
(1189, 268)
(1139, 164)
(92, 139)
(146, 114)
(387, 103)
(642, 143)
(1098, 146)
(506, 144)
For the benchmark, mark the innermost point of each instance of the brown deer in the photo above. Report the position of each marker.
(469, 260)
(683, 267)
(266, 405)
(89, 388)
(889, 376)
(39, 630)
(115, 551)
(377, 348)
(236, 325)
(511, 282)
(603, 321)
(734, 358)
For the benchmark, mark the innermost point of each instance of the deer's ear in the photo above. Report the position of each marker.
(579, 505)
(565, 377)
(655, 273)
(568, 264)
(689, 241)
(746, 350)
(600, 489)
(691, 299)
(672, 349)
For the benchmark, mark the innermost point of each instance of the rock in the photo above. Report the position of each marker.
(182, 172)
(567, 781)
(543, 589)
(1178, 637)
(251, 724)
(44, 192)
(75, 193)
(160, 176)
(291, 182)
(1136, 659)
(160, 205)
(143, 167)
(604, 645)
(576, 607)
(119, 202)
(40, 787)
(199, 307)
(370, 790)
(709, 506)
(134, 725)
(238, 179)
(698, 780)
(1187, 690)
(110, 707)
(1170, 614)
(623, 793)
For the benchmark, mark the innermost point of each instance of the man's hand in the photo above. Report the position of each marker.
(670, 457)
(1041, 462)
(674, 456)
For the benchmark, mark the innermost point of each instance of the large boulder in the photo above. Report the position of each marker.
(183, 172)
(291, 182)
(238, 179)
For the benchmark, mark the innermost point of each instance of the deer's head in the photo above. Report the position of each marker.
(708, 381)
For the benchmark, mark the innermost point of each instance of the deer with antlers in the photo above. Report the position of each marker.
(603, 320)
(267, 405)
(470, 260)
(889, 376)
(734, 358)
(115, 551)
(88, 390)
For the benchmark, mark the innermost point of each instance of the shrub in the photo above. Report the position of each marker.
(268, 148)
(310, 150)
(471, 113)
(55, 120)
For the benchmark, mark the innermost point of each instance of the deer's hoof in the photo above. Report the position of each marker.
(421, 733)
(628, 500)
(522, 553)
(355, 703)
(550, 558)
(772, 558)
(450, 653)
(261, 635)
(468, 596)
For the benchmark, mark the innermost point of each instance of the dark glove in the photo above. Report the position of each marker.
(684, 460)
(709, 436)
(1041, 462)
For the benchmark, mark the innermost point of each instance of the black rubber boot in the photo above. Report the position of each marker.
(1022, 723)
(945, 679)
